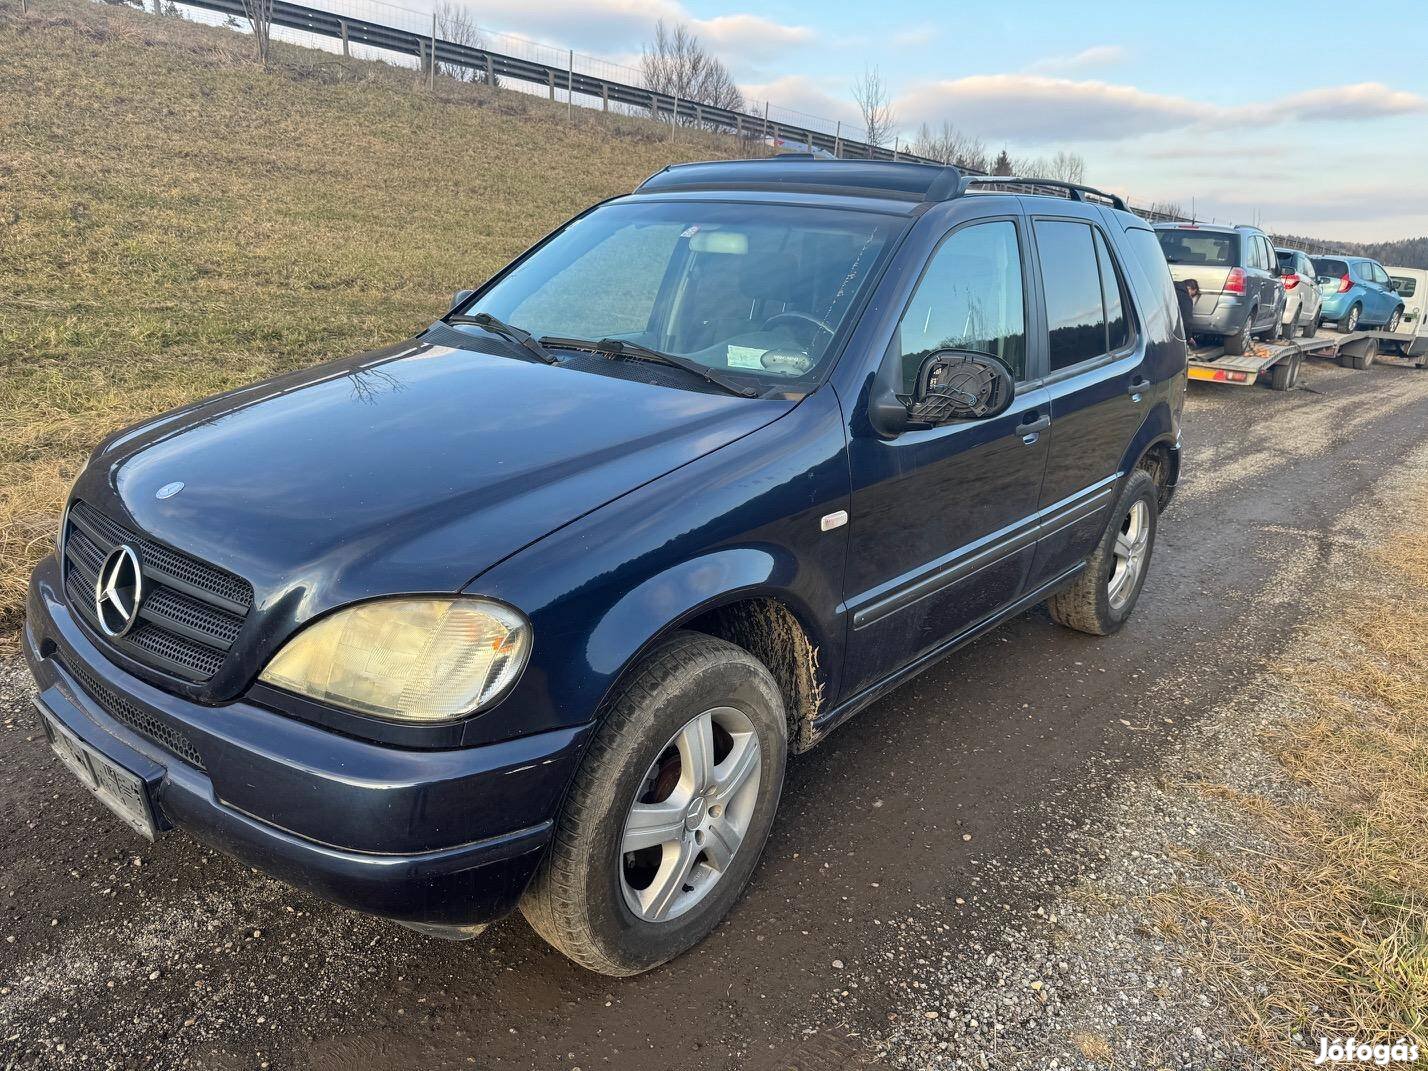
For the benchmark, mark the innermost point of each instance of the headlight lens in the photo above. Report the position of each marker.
(419, 660)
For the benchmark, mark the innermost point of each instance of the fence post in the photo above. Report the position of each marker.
(605, 96)
(766, 119)
(699, 115)
(895, 144)
(838, 139)
(550, 80)
(570, 88)
(431, 77)
(674, 117)
(490, 73)
(346, 46)
(739, 125)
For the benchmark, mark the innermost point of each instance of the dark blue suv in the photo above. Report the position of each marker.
(530, 610)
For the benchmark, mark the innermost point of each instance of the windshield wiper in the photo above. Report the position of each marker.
(619, 347)
(520, 337)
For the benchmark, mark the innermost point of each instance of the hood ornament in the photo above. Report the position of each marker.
(168, 490)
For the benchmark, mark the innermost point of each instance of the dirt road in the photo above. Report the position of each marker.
(935, 817)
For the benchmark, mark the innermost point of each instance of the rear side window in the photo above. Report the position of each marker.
(1145, 248)
(1326, 266)
(1071, 278)
(1406, 285)
(970, 298)
(1200, 248)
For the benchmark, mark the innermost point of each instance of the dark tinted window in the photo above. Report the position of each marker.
(1286, 259)
(970, 298)
(1117, 326)
(1151, 258)
(1072, 282)
(1330, 267)
(1200, 247)
(1406, 285)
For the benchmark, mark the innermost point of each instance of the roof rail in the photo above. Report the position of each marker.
(1074, 190)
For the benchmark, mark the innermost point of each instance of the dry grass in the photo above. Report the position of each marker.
(175, 221)
(1328, 932)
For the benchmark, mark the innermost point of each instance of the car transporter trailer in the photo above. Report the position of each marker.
(1281, 359)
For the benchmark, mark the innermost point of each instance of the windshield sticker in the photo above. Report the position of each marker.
(690, 231)
(746, 357)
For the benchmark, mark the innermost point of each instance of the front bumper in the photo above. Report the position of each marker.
(441, 840)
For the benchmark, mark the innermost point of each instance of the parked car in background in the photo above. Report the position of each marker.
(1301, 293)
(531, 609)
(1357, 294)
(1411, 285)
(1241, 294)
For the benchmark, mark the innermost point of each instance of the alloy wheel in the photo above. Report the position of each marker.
(690, 815)
(1352, 323)
(1128, 555)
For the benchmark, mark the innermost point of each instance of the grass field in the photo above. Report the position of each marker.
(175, 221)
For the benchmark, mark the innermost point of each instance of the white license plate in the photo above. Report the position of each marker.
(118, 789)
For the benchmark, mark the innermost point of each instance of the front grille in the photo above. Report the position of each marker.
(127, 713)
(191, 612)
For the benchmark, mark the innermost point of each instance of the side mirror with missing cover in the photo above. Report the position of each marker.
(951, 385)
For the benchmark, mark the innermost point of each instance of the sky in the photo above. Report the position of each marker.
(1303, 116)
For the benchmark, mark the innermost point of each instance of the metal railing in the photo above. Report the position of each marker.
(600, 92)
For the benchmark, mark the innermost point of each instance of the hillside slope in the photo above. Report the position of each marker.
(175, 221)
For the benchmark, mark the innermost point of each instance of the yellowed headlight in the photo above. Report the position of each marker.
(412, 659)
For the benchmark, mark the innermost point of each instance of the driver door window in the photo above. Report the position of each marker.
(970, 297)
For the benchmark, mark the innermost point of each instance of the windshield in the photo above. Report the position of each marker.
(753, 289)
(1200, 248)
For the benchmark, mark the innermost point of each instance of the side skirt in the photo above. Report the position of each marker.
(835, 717)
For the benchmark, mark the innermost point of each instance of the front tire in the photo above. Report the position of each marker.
(1101, 599)
(1393, 321)
(1310, 329)
(669, 812)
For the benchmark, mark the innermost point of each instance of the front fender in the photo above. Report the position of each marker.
(740, 522)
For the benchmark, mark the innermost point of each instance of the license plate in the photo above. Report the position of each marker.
(118, 789)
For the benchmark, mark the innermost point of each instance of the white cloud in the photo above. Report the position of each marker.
(813, 96)
(1038, 109)
(601, 27)
(920, 34)
(1095, 56)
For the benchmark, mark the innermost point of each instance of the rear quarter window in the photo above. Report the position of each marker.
(1152, 281)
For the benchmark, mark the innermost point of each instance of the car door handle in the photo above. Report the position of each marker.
(1030, 429)
(1137, 385)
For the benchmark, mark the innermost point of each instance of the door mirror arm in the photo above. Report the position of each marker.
(887, 412)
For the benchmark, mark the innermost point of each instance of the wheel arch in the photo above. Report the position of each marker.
(735, 595)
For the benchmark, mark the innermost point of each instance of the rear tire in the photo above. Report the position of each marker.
(1285, 374)
(1310, 329)
(1236, 344)
(1102, 597)
(660, 743)
(1350, 322)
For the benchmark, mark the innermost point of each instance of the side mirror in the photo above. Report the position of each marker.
(459, 298)
(961, 385)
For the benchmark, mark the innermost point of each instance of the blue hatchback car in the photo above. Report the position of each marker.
(1357, 293)
(531, 609)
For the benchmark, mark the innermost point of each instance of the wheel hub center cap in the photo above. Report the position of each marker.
(694, 813)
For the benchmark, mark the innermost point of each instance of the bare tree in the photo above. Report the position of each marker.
(1067, 166)
(677, 65)
(260, 17)
(874, 101)
(455, 24)
(948, 145)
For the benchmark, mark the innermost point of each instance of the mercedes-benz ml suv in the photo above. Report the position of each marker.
(529, 610)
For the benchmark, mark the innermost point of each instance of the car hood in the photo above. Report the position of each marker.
(409, 469)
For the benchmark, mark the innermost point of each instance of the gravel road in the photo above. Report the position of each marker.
(905, 908)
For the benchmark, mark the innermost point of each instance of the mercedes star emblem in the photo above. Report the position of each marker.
(118, 591)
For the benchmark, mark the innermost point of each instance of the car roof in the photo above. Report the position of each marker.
(801, 175)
